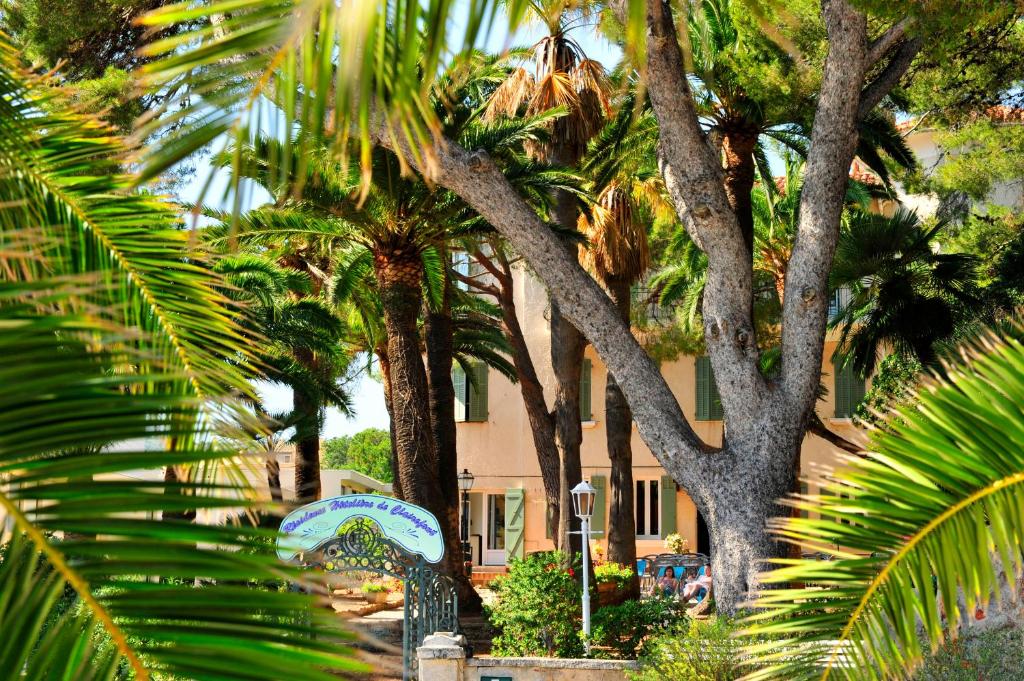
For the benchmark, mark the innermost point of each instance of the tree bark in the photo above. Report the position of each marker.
(567, 346)
(440, 353)
(618, 423)
(274, 478)
(385, 372)
(307, 437)
(399, 273)
(738, 143)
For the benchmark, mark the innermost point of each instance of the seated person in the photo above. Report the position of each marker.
(667, 583)
(694, 587)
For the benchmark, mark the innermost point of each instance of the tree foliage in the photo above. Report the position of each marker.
(367, 452)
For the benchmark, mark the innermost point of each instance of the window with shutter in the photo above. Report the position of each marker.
(585, 389)
(459, 383)
(849, 390)
(477, 394)
(709, 403)
(515, 509)
(461, 265)
(653, 512)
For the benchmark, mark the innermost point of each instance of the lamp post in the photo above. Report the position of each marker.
(583, 496)
(465, 484)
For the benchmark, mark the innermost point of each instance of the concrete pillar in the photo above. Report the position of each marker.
(442, 657)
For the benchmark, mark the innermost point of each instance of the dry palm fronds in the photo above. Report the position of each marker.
(618, 242)
(510, 96)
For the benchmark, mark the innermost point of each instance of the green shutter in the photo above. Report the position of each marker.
(667, 494)
(459, 382)
(585, 389)
(849, 390)
(478, 394)
(600, 484)
(709, 403)
(515, 509)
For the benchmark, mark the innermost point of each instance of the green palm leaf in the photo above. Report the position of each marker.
(919, 520)
(114, 342)
(59, 175)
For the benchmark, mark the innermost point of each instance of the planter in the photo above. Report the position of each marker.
(375, 596)
(607, 593)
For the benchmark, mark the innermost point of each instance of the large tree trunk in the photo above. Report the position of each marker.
(385, 372)
(306, 411)
(440, 352)
(399, 273)
(567, 346)
(618, 423)
(542, 423)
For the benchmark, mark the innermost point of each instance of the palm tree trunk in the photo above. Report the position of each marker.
(567, 346)
(738, 144)
(440, 354)
(274, 478)
(385, 372)
(618, 420)
(306, 412)
(399, 273)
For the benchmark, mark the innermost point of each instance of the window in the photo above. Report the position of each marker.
(470, 392)
(460, 264)
(709, 403)
(648, 509)
(839, 299)
(586, 413)
(849, 390)
(286, 458)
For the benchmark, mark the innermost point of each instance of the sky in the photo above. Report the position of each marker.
(367, 394)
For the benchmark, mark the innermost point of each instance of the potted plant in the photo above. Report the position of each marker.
(610, 577)
(677, 544)
(374, 593)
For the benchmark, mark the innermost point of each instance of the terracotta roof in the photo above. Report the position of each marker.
(861, 173)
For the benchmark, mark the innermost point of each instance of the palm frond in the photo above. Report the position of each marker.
(921, 522)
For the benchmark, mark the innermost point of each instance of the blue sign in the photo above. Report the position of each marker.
(413, 528)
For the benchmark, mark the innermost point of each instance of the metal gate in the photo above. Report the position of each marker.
(431, 601)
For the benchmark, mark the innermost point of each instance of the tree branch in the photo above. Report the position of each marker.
(816, 426)
(694, 179)
(889, 76)
(833, 140)
(883, 43)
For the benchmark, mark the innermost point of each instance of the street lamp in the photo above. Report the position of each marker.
(465, 484)
(583, 496)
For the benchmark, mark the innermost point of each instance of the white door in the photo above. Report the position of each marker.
(494, 541)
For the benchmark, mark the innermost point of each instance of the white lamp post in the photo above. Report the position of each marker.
(583, 496)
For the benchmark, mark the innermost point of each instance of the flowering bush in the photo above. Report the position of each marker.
(538, 609)
(677, 544)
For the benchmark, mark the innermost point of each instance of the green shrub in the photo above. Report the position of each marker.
(613, 572)
(994, 655)
(373, 588)
(538, 609)
(695, 650)
(627, 628)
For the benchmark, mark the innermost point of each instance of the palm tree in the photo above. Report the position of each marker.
(287, 324)
(564, 79)
(113, 334)
(906, 295)
(949, 480)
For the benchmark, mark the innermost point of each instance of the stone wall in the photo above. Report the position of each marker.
(442, 657)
